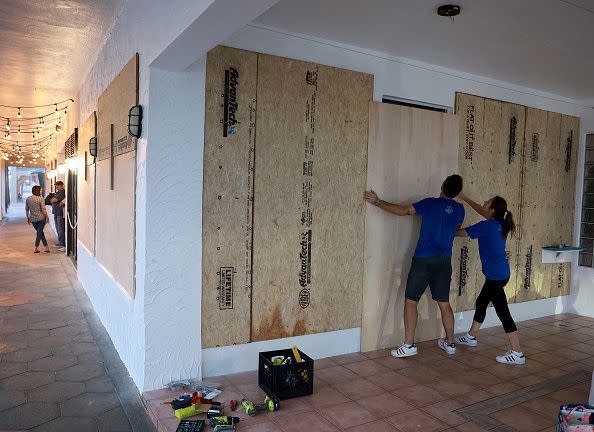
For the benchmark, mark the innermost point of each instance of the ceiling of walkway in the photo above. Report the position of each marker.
(542, 44)
(47, 46)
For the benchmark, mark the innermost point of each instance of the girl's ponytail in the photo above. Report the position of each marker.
(499, 205)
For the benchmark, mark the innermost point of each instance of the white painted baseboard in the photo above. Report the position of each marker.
(244, 357)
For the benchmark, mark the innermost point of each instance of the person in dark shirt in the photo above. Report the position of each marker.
(431, 264)
(492, 234)
(58, 212)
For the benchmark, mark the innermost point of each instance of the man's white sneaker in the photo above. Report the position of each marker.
(404, 350)
(449, 348)
(512, 357)
(466, 339)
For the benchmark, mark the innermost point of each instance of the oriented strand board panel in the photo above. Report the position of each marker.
(491, 145)
(116, 177)
(310, 164)
(504, 138)
(227, 197)
(397, 136)
(86, 185)
(472, 161)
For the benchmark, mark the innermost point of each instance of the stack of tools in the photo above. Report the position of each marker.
(190, 426)
(188, 405)
(223, 423)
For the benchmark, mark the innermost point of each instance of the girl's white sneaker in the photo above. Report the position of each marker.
(512, 357)
(466, 339)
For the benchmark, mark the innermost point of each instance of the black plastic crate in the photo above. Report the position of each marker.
(288, 380)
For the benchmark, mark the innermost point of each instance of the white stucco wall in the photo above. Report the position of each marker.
(146, 27)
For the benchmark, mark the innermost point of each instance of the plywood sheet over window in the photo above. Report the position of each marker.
(227, 199)
(86, 185)
(311, 153)
(116, 177)
(397, 138)
(529, 157)
(548, 201)
(285, 157)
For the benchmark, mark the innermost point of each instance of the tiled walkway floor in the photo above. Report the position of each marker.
(374, 392)
(56, 370)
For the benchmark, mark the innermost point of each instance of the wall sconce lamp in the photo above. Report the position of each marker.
(135, 121)
(93, 146)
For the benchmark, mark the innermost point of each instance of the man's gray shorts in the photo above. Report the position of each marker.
(435, 272)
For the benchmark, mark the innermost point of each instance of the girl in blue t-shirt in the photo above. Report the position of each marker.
(491, 234)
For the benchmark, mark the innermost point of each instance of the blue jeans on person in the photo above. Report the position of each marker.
(60, 227)
(39, 225)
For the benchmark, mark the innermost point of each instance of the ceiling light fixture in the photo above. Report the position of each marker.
(449, 10)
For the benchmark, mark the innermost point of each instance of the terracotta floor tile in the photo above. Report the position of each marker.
(522, 420)
(474, 397)
(377, 353)
(261, 427)
(325, 396)
(348, 415)
(385, 404)
(376, 426)
(453, 386)
(503, 388)
(420, 395)
(349, 358)
(394, 363)
(308, 421)
(358, 388)
(574, 394)
(545, 405)
(469, 427)
(366, 368)
(336, 374)
(420, 374)
(444, 411)
(392, 380)
(416, 421)
(324, 363)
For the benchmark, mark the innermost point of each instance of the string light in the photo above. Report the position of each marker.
(19, 113)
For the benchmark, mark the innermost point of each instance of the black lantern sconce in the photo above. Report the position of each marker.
(93, 146)
(135, 121)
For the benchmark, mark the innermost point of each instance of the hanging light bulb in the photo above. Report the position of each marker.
(19, 131)
(8, 136)
(56, 107)
(8, 124)
(19, 113)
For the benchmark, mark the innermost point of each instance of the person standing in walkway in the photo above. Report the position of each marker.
(58, 212)
(431, 264)
(492, 234)
(37, 216)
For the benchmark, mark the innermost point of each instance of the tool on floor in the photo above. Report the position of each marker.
(190, 426)
(224, 428)
(183, 413)
(233, 404)
(223, 421)
(214, 411)
(271, 403)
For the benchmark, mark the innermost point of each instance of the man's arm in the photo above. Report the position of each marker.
(475, 206)
(394, 208)
(27, 211)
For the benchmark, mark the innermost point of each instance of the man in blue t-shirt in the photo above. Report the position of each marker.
(431, 264)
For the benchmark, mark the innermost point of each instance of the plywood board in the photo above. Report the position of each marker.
(86, 185)
(116, 178)
(504, 135)
(227, 197)
(311, 142)
(539, 205)
(472, 161)
(397, 136)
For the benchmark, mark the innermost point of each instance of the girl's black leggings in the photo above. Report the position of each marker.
(493, 292)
